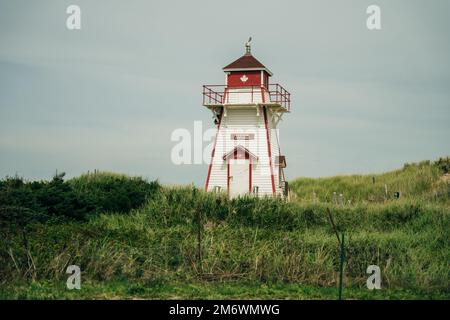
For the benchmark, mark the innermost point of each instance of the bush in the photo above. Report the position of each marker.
(443, 164)
(52, 198)
(113, 192)
(75, 199)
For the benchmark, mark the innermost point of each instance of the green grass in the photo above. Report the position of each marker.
(251, 248)
(417, 181)
(120, 289)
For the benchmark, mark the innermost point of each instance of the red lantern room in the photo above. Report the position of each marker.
(247, 71)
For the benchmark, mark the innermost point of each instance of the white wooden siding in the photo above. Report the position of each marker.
(245, 120)
(246, 96)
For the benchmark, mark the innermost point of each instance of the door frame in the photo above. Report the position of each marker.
(240, 153)
(249, 177)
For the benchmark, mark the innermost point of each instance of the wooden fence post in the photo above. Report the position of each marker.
(341, 269)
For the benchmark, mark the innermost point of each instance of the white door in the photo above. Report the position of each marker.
(238, 177)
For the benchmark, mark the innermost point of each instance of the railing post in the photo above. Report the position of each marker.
(277, 89)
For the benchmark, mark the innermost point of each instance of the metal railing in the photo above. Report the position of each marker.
(279, 95)
(212, 96)
(219, 95)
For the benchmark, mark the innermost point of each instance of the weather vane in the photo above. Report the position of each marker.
(247, 46)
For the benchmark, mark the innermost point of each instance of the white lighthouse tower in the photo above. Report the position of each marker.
(246, 156)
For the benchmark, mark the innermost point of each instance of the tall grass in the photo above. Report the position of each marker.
(243, 239)
(261, 240)
(418, 181)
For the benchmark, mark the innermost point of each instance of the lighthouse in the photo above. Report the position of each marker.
(246, 158)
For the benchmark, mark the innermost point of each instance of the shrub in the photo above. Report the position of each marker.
(443, 164)
(113, 192)
(52, 198)
(75, 199)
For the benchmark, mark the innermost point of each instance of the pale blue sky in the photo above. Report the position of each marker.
(108, 96)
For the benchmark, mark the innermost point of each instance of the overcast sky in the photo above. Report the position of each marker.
(108, 96)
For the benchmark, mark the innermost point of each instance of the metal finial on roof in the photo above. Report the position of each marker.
(247, 46)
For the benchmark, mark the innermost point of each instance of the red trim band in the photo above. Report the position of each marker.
(269, 150)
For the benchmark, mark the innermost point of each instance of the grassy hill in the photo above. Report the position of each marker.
(422, 181)
(248, 248)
